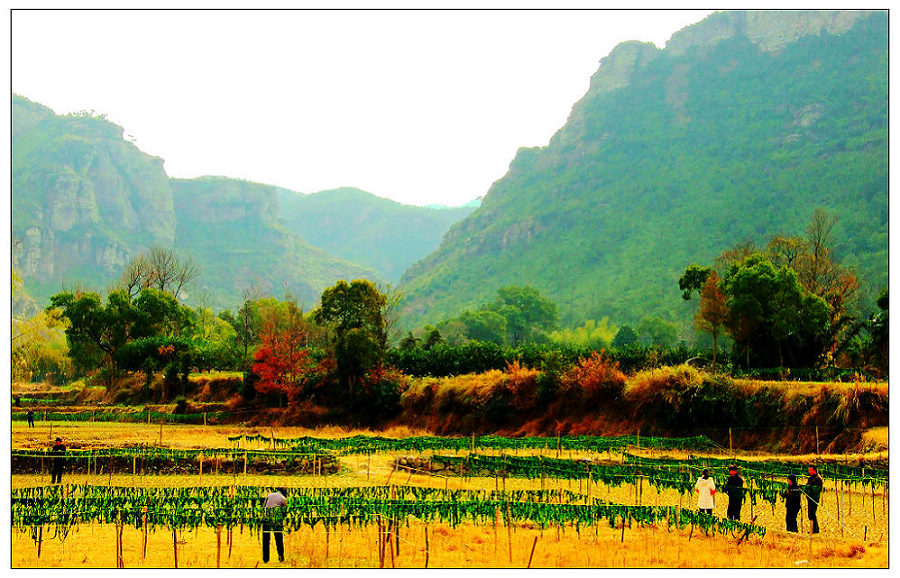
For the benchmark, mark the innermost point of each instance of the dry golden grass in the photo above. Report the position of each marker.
(469, 545)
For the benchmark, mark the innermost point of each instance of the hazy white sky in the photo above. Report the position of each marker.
(418, 106)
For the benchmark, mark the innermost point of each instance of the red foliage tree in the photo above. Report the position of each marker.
(282, 362)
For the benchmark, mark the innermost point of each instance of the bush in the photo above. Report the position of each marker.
(594, 382)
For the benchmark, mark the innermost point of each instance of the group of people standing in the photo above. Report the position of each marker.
(734, 489)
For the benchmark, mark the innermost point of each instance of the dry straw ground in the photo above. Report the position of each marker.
(860, 543)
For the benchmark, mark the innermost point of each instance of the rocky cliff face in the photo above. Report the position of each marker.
(85, 200)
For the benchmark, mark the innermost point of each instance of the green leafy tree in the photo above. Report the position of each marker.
(528, 314)
(625, 336)
(484, 325)
(693, 280)
(772, 316)
(654, 330)
(355, 312)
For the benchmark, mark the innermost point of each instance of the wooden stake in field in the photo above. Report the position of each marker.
(427, 549)
(218, 546)
(509, 532)
(533, 544)
(175, 545)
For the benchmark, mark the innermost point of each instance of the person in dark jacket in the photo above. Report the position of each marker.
(59, 462)
(792, 503)
(30, 417)
(734, 488)
(813, 493)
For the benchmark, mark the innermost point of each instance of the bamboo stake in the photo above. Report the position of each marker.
(509, 532)
(533, 544)
(175, 545)
(427, 549)
(40, 539)
(204, 418)
(219, 546)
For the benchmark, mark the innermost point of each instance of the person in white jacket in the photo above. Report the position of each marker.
(706, 488)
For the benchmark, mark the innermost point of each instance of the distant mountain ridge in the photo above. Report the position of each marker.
(85, 202)
(738, 130)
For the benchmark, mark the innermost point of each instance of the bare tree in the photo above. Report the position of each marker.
(161, 269)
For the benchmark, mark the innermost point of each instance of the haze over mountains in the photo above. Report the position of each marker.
(742, 126)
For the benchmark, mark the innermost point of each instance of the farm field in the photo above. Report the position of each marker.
(499, 521)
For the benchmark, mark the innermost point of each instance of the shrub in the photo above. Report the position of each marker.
(594, 381)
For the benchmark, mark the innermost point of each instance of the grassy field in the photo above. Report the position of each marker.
(859, 541)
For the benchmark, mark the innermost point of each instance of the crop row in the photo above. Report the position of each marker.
(681, 478)
(220, 509)
(368, 444)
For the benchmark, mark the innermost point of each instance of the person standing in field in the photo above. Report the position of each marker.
(58, 450)
(813, 492)
(273, 524)
(706, 488)
(30, 416)
(734, 489)
(792, 503)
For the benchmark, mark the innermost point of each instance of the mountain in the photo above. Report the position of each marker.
(738, 129)
(85, 202)
(360, 227)
(83, 198)
(232, 228)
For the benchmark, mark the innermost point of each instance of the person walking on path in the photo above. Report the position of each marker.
(734, 489)
(792, 503)
(706, 488)
(58, 450)
(30, 416)
(813, 492)
(273, 524)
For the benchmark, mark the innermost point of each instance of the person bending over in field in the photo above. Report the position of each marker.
(706, 487)
(274, 524)
(813, 491)
(792, 503)
(734, 489)
(59, 462)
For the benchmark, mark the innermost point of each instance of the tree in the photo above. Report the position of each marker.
(484, 325)
(625, 336)
(693, 280)
(355, 311)
(246, 322)
(96, 332)
(772, 315)
(712, 314)
(528, 314)
(282, 362)
(657, 331)
(159, 268)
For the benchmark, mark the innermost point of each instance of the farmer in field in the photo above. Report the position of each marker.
(59, 462)
(706, 488)
(273, 525)
(792, 503)
(734, 489)
(813, 491)
(30, 416)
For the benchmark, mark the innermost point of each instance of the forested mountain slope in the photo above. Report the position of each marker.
(738, 130)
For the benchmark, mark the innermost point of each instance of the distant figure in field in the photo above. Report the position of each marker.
(18, 401)
(813, 492)
(734, 489)
(30, 416)
(706, 487)
(59, 461)
(275, 526)
(792, 503)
